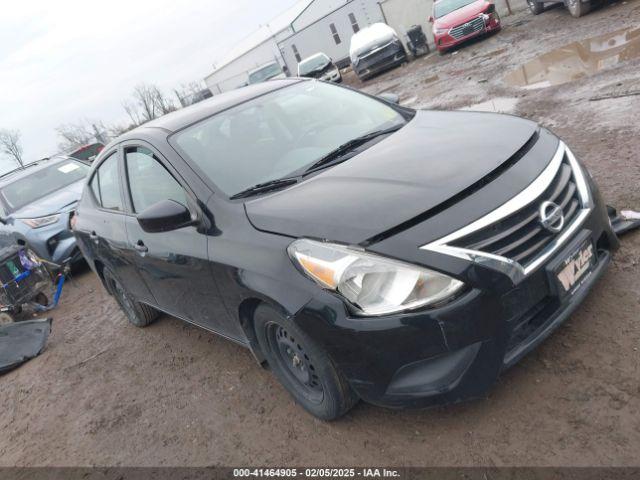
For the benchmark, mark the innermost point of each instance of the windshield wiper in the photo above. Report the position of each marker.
(265, 187)
(337, 155)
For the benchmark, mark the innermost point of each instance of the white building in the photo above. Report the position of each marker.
(311, 26)
(327, 26)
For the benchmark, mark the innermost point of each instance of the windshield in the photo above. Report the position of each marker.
(281, 133)
(313, 63)
(445, 7)
(41, 183)
(265, 73)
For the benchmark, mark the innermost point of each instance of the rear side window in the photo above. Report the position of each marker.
(149, 181)
(105, 185)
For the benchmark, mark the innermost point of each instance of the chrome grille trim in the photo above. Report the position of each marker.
(473, 26)
(513, 269)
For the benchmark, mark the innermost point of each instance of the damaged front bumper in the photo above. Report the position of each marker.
(455, 352)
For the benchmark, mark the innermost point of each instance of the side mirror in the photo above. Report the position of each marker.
(390, 97)
(431, 19)
(165, 216)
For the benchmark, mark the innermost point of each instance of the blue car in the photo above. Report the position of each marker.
(36, 204)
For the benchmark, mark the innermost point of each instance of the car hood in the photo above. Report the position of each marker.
(435, 157)
(462, 15)
(56, 202)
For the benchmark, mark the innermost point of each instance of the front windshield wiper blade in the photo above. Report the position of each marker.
(266, 187)
(334, 156)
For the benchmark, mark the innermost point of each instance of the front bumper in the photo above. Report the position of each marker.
(380, 61)
(456, 352)
(54, 243)
(332, 76)
(446, 41)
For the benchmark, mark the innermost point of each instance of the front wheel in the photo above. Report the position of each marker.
(302, 366)
(137, 313)
(536, 7)
(577, 8)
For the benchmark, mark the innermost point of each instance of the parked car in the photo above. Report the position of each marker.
(321, 67)
(36, 203)
(457, 21)
(375, 49)
(577, 8)
(270, 71)
(362, 249)
(88, 152)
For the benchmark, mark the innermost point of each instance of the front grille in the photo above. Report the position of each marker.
(466, 29)
(520, 236)
(380, 53)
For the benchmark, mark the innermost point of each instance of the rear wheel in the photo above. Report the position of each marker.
(536, 7)
(137, 313)
(302, 366)
(577, 8)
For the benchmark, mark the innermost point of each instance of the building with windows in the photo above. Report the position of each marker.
(310, 27)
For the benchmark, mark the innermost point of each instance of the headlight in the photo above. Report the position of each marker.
(374, 284)
(441, 31)
(41, 221)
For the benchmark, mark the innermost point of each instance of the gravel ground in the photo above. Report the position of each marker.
(105, 393)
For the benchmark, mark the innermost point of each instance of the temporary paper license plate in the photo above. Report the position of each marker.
(575, 270)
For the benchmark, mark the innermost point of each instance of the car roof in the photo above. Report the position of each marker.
(32, 167)
(184, 117)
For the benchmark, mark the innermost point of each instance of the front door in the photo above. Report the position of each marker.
(104, 231)
(173, 264)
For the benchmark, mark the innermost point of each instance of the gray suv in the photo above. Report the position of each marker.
(36, 203)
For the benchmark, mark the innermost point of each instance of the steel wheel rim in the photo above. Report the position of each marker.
(295, 362)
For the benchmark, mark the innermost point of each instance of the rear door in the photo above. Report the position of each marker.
(104, 227)
(173, 264)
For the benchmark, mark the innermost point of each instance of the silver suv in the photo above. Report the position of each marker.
(36, 203)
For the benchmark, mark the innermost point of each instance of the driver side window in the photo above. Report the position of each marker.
(149, 181)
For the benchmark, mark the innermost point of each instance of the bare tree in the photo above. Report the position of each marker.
(144, 98)
(189, 93)
(10, 145)
(148, 103)
(132, 110)
(73, 135)
(161, 102)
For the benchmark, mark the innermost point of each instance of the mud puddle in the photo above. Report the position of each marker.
(578, 60)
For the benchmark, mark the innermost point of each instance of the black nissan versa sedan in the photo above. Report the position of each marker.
(361, 249)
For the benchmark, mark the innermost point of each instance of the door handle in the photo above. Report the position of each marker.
(141, 247)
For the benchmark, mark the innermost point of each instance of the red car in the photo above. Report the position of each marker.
(456, 21)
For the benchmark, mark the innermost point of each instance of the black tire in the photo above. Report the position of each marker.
(578, 8)
(138, 314)
(302, 366)
(536, 7)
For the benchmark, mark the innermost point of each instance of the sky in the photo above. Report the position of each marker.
(70, 61)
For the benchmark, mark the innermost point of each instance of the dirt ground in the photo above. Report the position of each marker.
(106, 393)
